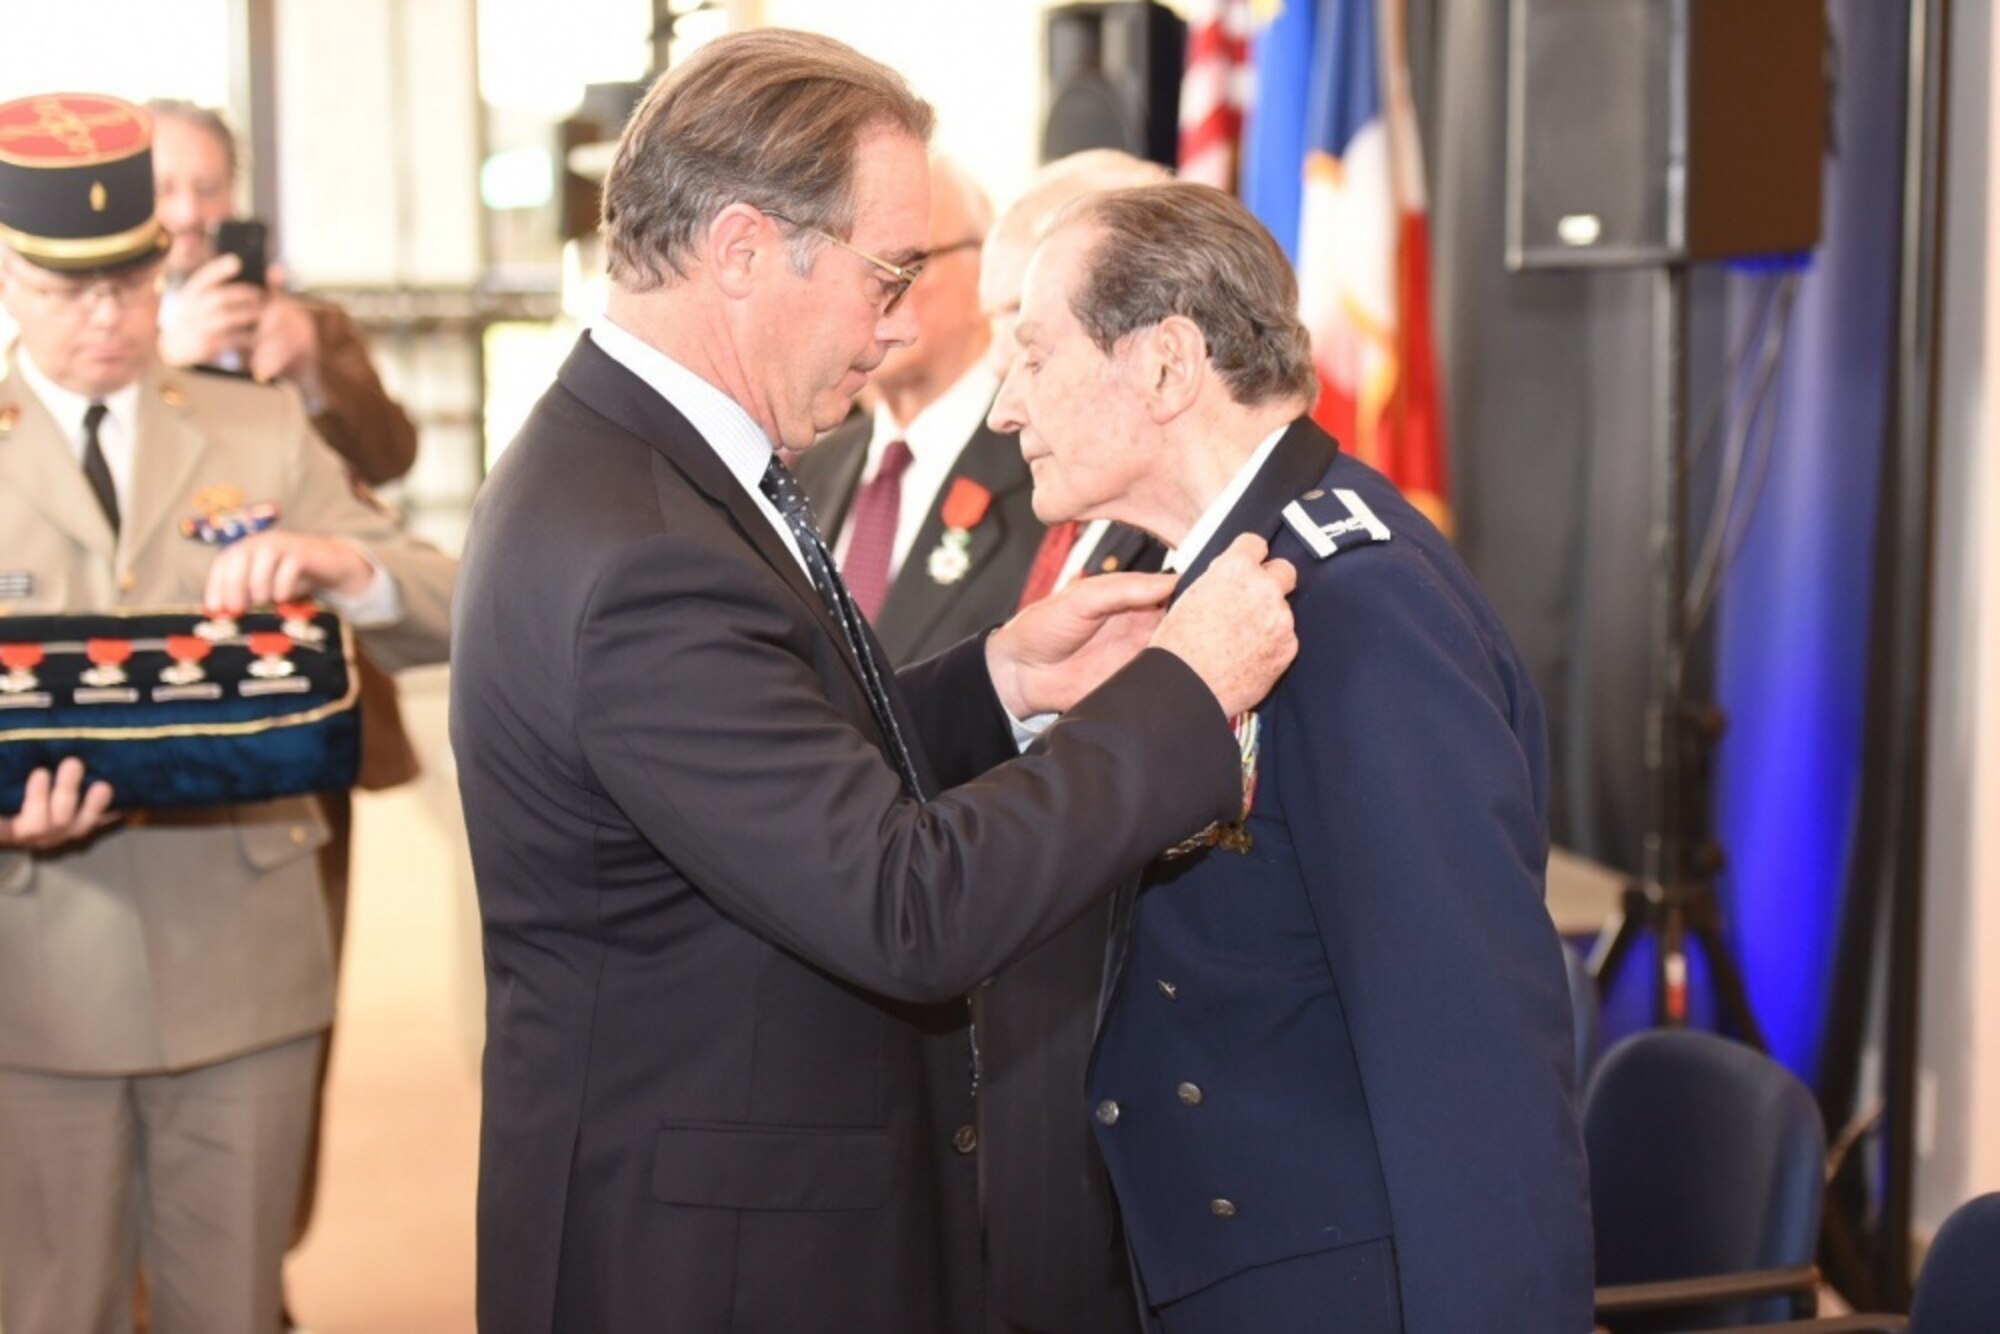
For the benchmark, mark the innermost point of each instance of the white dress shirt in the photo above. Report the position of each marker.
(114, 433)
(381, 603)
(716, 417)
(936, 438)
(1202, 531)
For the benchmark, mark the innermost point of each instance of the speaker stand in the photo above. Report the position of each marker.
(1673, 898)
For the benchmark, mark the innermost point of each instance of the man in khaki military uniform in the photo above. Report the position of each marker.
(165, 979)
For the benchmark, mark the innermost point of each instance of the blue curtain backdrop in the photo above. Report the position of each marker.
(1792, 639)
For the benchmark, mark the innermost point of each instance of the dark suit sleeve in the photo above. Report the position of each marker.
(354, 413)
(1421, 756)
(759, 789)
(964, 729)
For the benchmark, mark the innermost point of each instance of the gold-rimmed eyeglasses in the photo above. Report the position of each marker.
(77, 297)
(894, 288)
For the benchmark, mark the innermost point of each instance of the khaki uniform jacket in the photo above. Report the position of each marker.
(174, 940)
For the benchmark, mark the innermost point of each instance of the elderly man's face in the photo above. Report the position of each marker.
(951, 331)
(1002, 265)
(90, 333)
(1085, 432)
(192, 190)
(821, 335)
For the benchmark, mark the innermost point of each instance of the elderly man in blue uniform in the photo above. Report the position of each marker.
(1332, 1085)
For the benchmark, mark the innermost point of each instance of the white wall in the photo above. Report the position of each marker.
(1958, 1130)
(979, 62)
(156, 50)
(378, 152)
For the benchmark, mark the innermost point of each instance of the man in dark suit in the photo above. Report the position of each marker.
(1333, 1086)
(720, 856)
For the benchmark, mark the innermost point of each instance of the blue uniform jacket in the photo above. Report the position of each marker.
(1360, 1028)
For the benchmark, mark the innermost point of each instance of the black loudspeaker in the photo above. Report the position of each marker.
(1114, 80)
(584, 143)
(1644, 132)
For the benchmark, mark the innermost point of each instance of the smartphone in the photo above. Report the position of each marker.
(243, 238)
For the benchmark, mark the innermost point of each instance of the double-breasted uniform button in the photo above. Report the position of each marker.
(1107, 1113)
(1189, 1093)
(965, 1139)
(1222, 1208)
(127, 580)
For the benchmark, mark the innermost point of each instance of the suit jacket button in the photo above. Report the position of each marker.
(1107, 1113)
(965, 1139)
(1168, 989)
(1189, 1094)
(1222, 1208)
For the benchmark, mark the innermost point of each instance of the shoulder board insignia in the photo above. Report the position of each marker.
(1333, 528)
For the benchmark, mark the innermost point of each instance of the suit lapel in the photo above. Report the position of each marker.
(629, 403)
(35, 455)
(830, 471)
(1301, 458)
(166, 457)
(916, 600)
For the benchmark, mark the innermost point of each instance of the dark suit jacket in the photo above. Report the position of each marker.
(1035, 1204)
(1360, 1029)
(920, 615)
(708, 905)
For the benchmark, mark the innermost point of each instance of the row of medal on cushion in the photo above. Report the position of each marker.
(109, 657)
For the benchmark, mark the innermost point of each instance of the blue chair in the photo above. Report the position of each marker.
(1958, 1290)
(1707, 1171)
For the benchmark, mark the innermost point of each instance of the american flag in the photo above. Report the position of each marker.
(1215, 88)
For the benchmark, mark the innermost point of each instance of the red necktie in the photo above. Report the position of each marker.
(873, 521)
(1048, 563)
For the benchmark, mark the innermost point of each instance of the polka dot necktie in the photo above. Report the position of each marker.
(783, 491)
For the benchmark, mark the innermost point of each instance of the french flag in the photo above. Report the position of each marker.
(1362, 235)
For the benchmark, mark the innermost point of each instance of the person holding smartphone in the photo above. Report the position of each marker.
(222, 315)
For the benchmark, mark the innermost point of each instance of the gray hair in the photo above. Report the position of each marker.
(209, 119)
(1190, 250)
(1063, 180)
(769, 117)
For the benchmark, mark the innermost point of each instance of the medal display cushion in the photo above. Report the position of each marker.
(176, 709)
